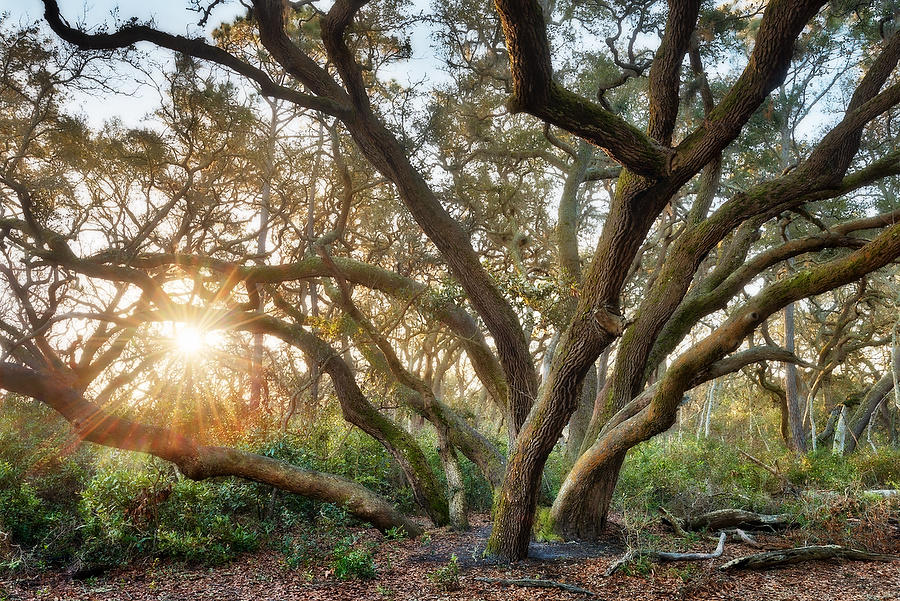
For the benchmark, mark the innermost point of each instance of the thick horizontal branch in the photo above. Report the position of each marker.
(720, 368)
(695, 307)
(197, 462)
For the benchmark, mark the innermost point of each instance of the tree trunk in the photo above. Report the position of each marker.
(580, 420)
(840, 432)
(863, 413)
(456, 488)
(794, 409)
(581, 513)
(830, 424)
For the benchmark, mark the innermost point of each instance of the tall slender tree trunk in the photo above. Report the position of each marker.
(456, 489)
(840, 432)
(256, 370)
(580, 420)
(792, 394)
(863, 415)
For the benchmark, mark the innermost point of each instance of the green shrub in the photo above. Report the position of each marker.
(848, 518)
(446, 578)
(41, 476)
(352, 562)
(879, 469)
(692, 476)
(21, 511)
(396, 533)
(130, 512)
(822, 470)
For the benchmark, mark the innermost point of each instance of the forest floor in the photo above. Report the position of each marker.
(403, 568)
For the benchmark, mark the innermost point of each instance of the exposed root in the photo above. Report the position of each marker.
(746, 538)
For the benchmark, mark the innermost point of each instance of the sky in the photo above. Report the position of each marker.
(135, 102)
(174, 16)
(171, 16)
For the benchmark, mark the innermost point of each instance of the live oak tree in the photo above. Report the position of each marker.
(660, 134)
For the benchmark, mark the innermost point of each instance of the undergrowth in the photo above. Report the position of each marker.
(824, 494)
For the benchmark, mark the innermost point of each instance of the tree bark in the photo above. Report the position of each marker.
(646, 421)
(864, 411)
(792, 395)
(456, 488)
(581, 510)
(840, 432)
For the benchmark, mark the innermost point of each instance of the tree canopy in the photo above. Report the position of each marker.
(591, 211)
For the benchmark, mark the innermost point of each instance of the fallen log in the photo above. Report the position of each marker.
(798, 554)
(738, 518)
(883, 492)
(537, 583)
(677, 525)
(665, 556)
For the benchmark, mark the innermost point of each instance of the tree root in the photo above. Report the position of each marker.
(798, 554)
(666, 556)
(536, 583)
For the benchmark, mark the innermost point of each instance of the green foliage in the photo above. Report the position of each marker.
(878, 469)
(21, 511)
(822, 470)
(691, 476)
(639, 566)
(847, 518)
(350, 561)
(129, 513)
(684, 572)
(446, 578)
(396, 533)
(302, 549)
(555, 471)
(40, 476)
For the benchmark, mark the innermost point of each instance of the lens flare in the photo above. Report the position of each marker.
(190, 340)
